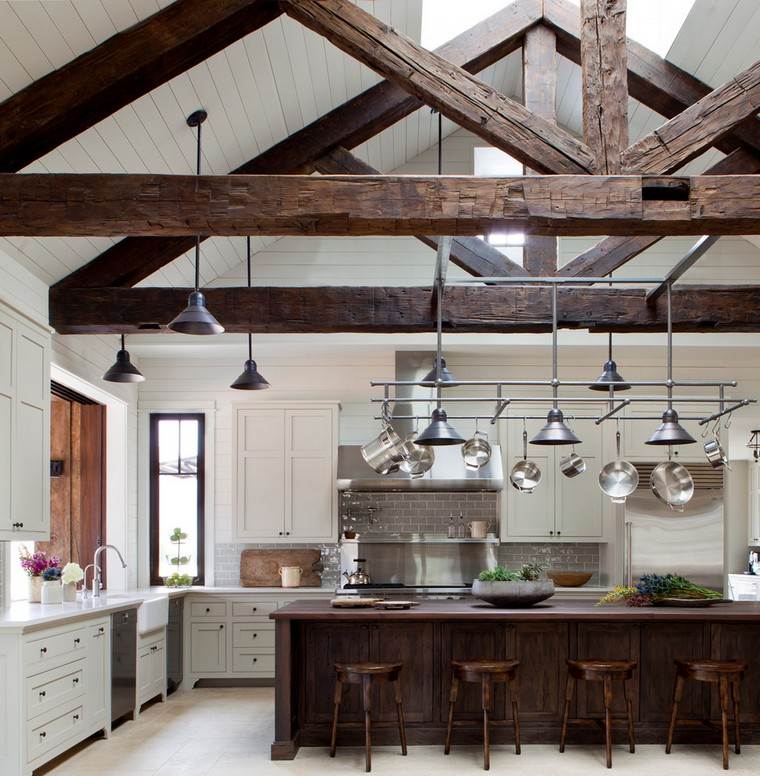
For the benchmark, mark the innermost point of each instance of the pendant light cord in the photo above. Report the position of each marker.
(555, 387)
(248, 261)
(670, 348)
(123, 342)
(439, 282)
(440, 143)
(197, 237)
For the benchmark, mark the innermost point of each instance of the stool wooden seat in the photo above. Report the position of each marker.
(486, 673)
(727, 674)
(605, 671)
(364, 674)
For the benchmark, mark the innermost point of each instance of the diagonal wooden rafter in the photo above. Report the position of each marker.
(470, 253)
(43, 205)
(613, 252)
(691, 132)
(376, 309)
(539, 96)
(604, 68)
(698, 250)
(128, 65)
(133, 259)
(464, 99)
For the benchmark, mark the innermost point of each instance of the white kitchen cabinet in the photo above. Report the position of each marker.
(24, 429)
(754, 504)
(151, 666)
(285, 471)
(560, 508)
(208, 647)
(636, 432)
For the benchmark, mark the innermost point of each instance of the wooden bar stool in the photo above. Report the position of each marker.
(364, 674)
(605, 671)
(726, 674)
(486, 673)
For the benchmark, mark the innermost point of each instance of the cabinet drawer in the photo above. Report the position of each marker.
(211, 609)
(51, 688)
(253, 608)
(47, 735)
(46, 649)
(248, 661)
(251, 635)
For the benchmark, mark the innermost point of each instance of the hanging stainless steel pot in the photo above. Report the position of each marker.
(418, 459)
(672, 484)
(618, 478)
(385, 453)
(714, 451)
(571, 465)
(476, 451)
(525, 474)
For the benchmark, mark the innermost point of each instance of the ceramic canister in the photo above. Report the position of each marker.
(291, 576)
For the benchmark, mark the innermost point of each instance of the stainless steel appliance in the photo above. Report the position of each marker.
(688, 542)
(123, 663)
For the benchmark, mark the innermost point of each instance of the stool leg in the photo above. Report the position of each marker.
(608, 718)
(723, 687)
(338, 695)
(569, 689)
(736, 693)
(453, 694)
(513, 694)
(400, 713)
(486, 690)
(629, 710)
(367, 698)
(677, 695)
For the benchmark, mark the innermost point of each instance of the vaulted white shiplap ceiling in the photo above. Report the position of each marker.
(269, 85)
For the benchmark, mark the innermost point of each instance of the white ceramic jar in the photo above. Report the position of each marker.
(291, 576)
(52, 592)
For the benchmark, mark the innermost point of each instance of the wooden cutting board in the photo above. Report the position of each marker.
(260, 568)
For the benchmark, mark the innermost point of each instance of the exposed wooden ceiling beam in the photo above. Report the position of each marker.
(135, 258)
(604, 68)
(613, 252)
(652, 80)
(69, 205)
(697, 128)
(407, 309)
(539, 96)
(697, 251)
(470, 253)
(464, 99)
(124, 67)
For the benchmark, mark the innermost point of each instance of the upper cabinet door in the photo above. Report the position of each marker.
(260, 474)
(311, 500)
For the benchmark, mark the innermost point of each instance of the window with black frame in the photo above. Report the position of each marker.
(177, 473)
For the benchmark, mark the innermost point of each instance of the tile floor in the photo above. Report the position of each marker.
(227, 732)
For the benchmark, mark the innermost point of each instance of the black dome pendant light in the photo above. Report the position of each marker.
(195, 318)
(610, 377)
(250, 379)
(123, 371)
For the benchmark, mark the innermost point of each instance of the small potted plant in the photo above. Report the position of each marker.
(513, 589)
(35, 564)
(178, 579)
(72, 573)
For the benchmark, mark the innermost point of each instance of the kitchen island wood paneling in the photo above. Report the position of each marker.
(311, 636)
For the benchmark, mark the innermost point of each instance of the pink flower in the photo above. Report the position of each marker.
(36, 563)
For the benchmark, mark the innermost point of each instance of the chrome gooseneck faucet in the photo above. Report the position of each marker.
(96, 580)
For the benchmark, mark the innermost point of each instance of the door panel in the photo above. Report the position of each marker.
(739, 642)
(208, 645)
(31, 467)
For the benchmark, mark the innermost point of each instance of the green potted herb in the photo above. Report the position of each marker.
(513, 589)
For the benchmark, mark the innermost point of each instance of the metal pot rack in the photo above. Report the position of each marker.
(725, 405)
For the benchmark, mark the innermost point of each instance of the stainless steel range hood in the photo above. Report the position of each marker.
(448, 473)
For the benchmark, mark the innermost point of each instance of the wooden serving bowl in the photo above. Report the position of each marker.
(569, 578)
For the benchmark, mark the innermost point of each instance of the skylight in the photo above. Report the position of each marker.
(653, 23)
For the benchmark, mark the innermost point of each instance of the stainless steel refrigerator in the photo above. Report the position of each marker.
(660, 540)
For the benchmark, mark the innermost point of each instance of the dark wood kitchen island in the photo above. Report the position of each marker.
(311, 636)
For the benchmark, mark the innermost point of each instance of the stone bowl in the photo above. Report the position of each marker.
(569, 578)
(513, 595)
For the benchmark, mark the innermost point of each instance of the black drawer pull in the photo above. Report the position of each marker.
(255, 635)
(255, 609)
(42, 693)
(207, 610)
(221, 627)
(101, 629)
(77, 640)
(255, 660)
(43, 650)
(43, 734)
(76, 716)
(75, 680)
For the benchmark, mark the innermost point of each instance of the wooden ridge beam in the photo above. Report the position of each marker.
(66, 205)
(494, 309)
(539, 96)
(133, 259)
(613, 252)
(470, 253)
(688, 134)
(697, 251)
(652, 80)
(126, 66)
(461, 97)
(604, 70)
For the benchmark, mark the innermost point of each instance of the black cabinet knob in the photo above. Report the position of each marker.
(255, 635)
(255, 660)
(221, 627)
(43, 650)
(207, 610)
(43, 734)
(559, 533)
(42, 693)
(551, 533)
(76, 716)
(76, 680)
(77, 641)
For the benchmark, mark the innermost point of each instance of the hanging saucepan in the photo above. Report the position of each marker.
(476, 451)
(385, 452)
(571, 465)
(714, 451)
(525, 474)
(418, 459)
(618, 478)
(672, 484)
